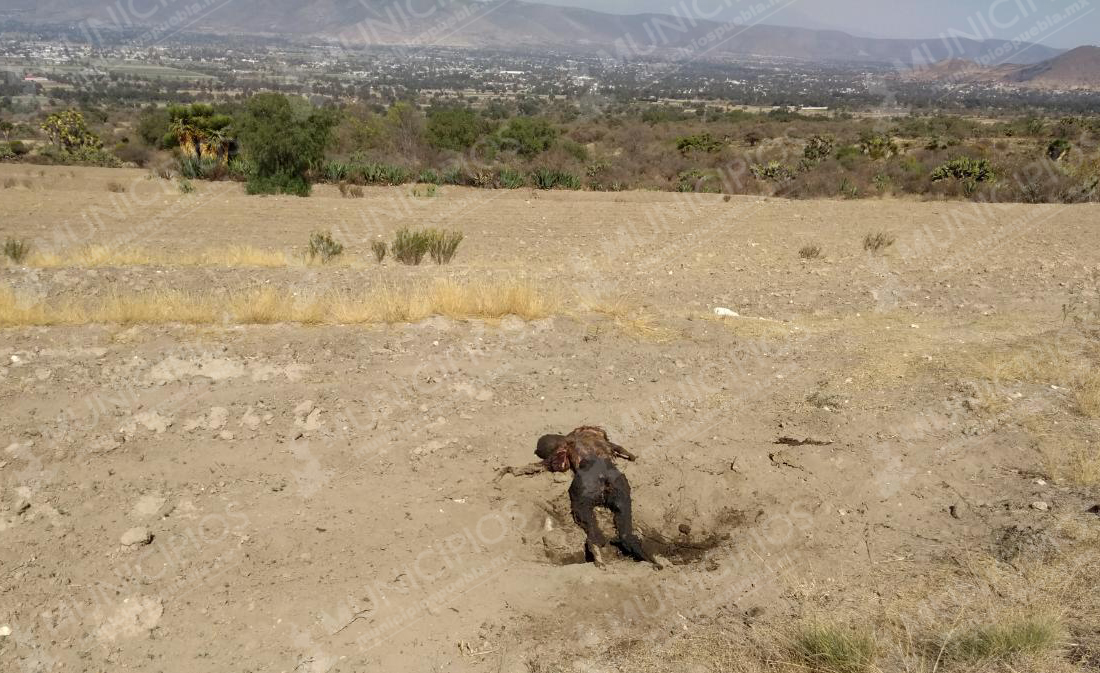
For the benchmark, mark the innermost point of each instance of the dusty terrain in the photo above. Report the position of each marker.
(320, 497)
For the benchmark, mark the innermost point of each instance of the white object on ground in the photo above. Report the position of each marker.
(726, 313)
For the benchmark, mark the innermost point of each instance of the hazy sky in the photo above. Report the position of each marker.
(895, 18)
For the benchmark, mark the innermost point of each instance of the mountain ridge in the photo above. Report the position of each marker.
(513, 24)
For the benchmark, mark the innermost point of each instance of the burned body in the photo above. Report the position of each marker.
(589, 453)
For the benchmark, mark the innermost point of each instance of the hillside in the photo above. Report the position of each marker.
(1075, 69)
(510, 24)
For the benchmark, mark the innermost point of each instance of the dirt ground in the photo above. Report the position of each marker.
(321, 498)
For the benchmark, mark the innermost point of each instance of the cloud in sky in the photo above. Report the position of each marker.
(982, 19)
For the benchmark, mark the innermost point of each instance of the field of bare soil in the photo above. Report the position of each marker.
(220, 455)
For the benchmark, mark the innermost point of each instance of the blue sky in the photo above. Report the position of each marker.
(896, 18)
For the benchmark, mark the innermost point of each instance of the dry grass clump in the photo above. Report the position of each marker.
(268, 305)
(630, 318)
(238, 255)
(1075, 461)
(485, 300)
(116, 187)
(379, 249)
(16, 249)
(324, 247)
(1088, 396)
(812, 251)
(1000, 641)
(443, 244)
(878, 242)
(833, 649)
(409, 247)
(350, 191)
(155, 307)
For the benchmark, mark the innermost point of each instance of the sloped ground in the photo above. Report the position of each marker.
(321, 497)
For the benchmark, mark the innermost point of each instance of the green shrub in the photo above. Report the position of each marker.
(283, 139)
(185, 186)
(509, 178)
(442, 245)
(453, 176)
(453, 128)
(18, 148)
(409, 247)
(16, 249)
(280, 183)
(429, 177)
(323, 245)
(877, 145)
(818, 148)
(240, 169)
(1058, 148)
(424, 191)
(528, 136)
(574, 149)
(773, 171)
(964, 168)
(849, 156)
(848, 189)
(380, 174)
(379, 249)
(336, 171)
(202, 168)
(699, 142)
(547, 178)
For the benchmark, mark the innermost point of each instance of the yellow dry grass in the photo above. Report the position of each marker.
(630, 318)
(1088, 396)
(91, 256)
(489, 300)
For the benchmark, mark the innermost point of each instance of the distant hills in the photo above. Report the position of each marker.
(511, 24)
(1075, 69)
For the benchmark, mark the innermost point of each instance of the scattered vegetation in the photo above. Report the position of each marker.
(116, 187)
(964, 168)
(186, 186)
(350, 191)
(878, 242)
(379, 249)
(409, 247)
(442, 244)
(812, 251)
(546, 178)
(16, 249)
(424, 191)
(324, 247)
(277, 143)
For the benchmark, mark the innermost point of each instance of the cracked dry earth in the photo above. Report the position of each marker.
(321, 498)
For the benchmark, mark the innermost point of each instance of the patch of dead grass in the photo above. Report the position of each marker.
(488, 300)
(630, 318)
(1088, 396)
(92, 256)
